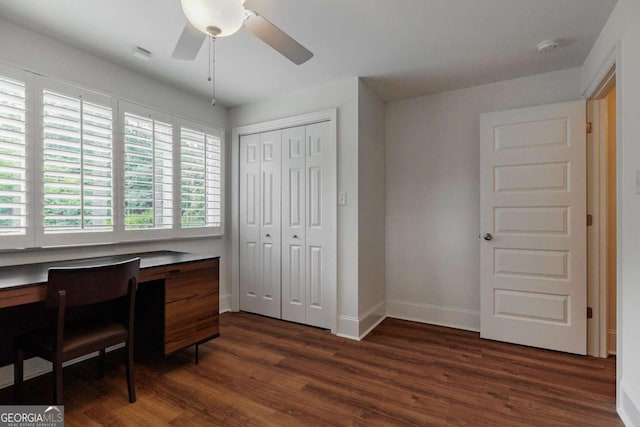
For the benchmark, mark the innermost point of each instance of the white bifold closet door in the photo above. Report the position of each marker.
(294, 225)
(319, 225)
(260, 223)
(301, 183)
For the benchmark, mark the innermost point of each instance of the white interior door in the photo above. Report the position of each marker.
(250, 265)
(319, 225)
(260, 223)
(293, 225)
(270, 223)
(533, 207)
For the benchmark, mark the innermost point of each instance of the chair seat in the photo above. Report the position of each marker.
(85, 336)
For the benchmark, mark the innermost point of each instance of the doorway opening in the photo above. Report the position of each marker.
(602, 218)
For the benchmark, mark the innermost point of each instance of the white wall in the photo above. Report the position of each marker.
(371, 245)
(342, 95)
(433, 194)
(620, 37)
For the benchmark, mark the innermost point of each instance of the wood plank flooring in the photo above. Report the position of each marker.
(272, 373)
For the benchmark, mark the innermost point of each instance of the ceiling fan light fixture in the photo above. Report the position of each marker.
(225, 15)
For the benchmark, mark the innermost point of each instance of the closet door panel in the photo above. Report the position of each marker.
(250, 254)
(293, 225)
(270, 223)
(319, 227)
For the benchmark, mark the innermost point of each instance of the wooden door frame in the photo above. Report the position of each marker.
(597, 330)
(294, 121)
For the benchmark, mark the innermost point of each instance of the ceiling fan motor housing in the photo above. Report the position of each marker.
(225, 15)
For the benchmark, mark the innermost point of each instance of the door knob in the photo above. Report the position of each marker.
(267, 235)
(487, 237)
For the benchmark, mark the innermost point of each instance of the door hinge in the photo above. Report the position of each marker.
(589, 220)
(589, 127)
(589, 313)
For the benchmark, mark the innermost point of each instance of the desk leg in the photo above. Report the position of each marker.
(18, 375)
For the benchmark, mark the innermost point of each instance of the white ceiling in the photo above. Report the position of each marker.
(404, 48)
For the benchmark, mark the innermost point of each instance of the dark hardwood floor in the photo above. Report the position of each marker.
(267, 372)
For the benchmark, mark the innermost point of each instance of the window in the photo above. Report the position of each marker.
(13, 168)
(77, 166)
(80, 167)
(200, 179)
(148, 173)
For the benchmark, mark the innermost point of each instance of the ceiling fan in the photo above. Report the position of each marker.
(221, 18)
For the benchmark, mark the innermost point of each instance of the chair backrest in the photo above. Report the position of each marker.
(91, 285)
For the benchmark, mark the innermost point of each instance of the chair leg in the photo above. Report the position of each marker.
(101, 360)
(18, 374)
(131, 375)
(57, 381)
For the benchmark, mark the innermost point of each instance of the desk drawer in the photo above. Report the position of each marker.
(189, 280)
(150, 274)
(191, 304)
(208, 265)
(191, 320)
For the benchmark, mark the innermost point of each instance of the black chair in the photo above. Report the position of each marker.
(77, 327)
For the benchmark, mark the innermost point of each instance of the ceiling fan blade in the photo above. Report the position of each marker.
(263, 29)
(189, 43)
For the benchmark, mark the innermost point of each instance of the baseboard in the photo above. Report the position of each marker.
(451, 317)
(225, 303)
(372, 318)
(628, 406)
(356, 328)
(35, 367)
(348, 327)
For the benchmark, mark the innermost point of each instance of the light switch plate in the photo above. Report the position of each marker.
(342, 198)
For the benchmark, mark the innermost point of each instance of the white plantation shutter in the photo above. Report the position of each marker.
(77, 166)
(148, 173)
(80, 167)
(200, 179)
(13, 168)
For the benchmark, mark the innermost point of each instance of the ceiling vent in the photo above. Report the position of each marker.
(141, 53)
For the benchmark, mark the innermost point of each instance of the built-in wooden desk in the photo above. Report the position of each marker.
(189, 286)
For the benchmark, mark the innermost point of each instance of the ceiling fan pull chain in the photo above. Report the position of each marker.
(209, 52)
(212, 67)
(213, 70)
